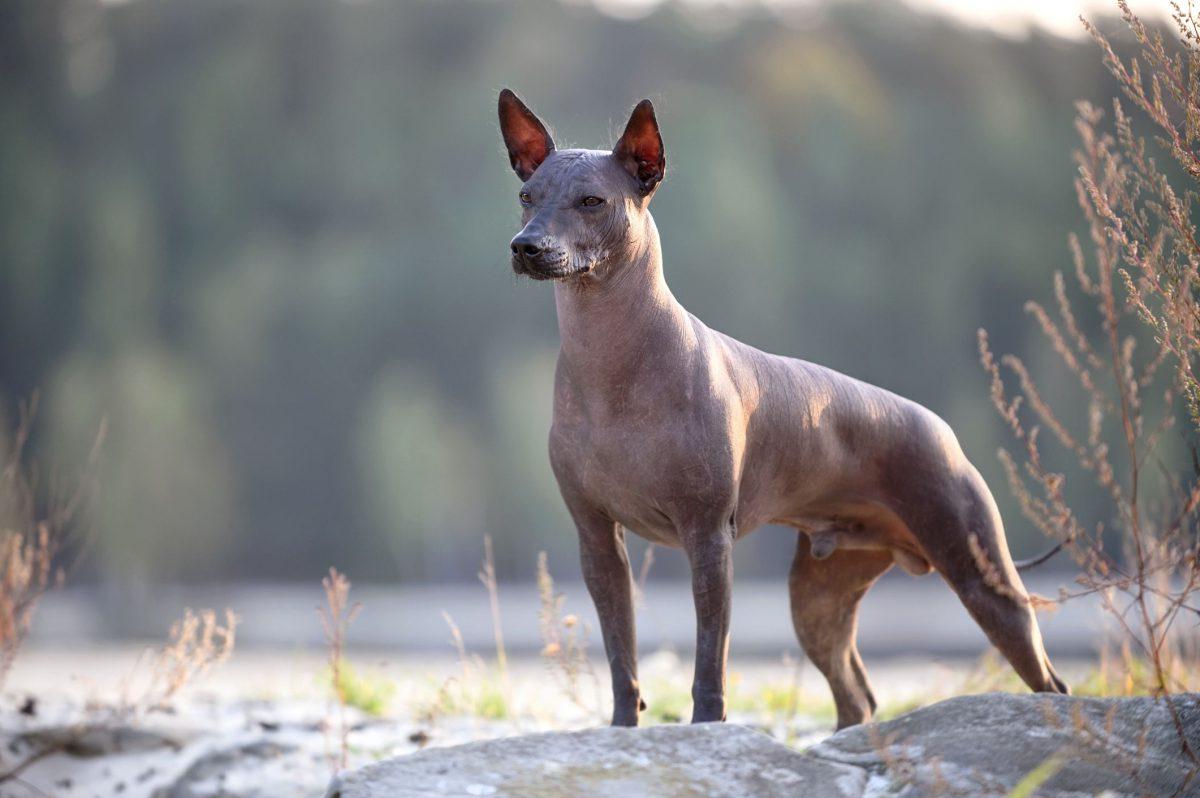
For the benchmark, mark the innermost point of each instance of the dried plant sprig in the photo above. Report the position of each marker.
(487, 576)
(991, 573)
(1142, 275)
(25, 575)
(196, 643)
(36, 522)
(639, 584)
(336, 616)
(564, 640)
(1148, 221)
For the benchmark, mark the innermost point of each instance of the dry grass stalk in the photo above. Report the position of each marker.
(25, 575)
(991, 574)
(475, 691)
(1089, 741)
(196, 643)
(487, 575)
(35, 523)
(428, 712)
(1099, 745)
(336, 617)
(460, 645)
(993, 579)
(1148, 221)
(639, 586)
(564, 638)
(1143, 269)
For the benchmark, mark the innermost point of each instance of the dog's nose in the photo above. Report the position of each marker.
(525, 247)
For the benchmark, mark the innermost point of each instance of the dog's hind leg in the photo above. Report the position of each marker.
(966, 544)
(825, 594)
(1008, 620)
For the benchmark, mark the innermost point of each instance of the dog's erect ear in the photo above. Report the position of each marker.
(525, 136)
(640, 149)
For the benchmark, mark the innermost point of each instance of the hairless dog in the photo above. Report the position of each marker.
(692, 439)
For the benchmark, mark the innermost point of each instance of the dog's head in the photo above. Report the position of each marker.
(583, 211)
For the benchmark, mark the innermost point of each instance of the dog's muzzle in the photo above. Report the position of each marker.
(535, 259)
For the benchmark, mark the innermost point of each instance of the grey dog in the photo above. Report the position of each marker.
(693, 439)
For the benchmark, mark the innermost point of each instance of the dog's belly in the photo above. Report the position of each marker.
(654, 533)
(859, 524)
(838, 495)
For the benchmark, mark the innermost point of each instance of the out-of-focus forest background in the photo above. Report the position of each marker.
(267, 240)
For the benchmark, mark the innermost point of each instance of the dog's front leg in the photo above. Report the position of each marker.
(606, 573)
(709, 549)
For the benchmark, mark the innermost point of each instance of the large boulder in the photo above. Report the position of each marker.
(700, 761)
(988, 744)
(973, 745)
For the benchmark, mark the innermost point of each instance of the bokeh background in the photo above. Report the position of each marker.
(267, 241)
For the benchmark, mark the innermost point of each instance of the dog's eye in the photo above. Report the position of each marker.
(591, 202)
(525, 198)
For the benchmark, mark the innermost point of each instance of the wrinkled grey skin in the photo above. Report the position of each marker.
(693, 439)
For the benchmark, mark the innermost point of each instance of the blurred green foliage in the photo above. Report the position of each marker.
(268, 240)
(370, 693)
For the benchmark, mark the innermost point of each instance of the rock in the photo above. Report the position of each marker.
(974, 745)
(986, 744)
(209, 775)
(96, 741)
(661, 762)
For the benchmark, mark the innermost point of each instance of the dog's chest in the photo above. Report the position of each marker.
(644, 471)
(618, 468)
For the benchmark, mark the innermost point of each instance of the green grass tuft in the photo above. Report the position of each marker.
(371, 694)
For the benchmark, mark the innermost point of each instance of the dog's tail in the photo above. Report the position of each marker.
(1032, 562)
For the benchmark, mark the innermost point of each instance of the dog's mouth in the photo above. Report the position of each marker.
(555, 271)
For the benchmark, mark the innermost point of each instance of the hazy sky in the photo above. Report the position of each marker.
(1007, 16)
(1059, 16)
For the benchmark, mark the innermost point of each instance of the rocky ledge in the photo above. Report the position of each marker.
(973, 745)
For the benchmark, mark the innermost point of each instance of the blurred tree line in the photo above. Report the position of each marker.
(267, 239)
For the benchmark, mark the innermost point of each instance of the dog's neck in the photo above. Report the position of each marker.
(609, 324)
